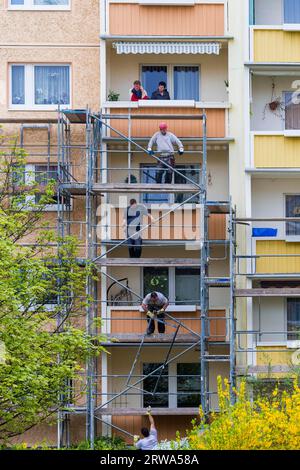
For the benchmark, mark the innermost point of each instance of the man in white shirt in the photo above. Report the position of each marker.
(149, 442)
(155, 304)
(165, 142)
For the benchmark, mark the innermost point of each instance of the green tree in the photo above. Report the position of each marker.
(43, 349)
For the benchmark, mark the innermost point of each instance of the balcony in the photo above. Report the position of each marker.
(275, 119)
(136, 19)
(128, 325)
(178, 225)
(185, 128)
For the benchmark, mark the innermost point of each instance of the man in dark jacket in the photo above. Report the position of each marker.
(161, 93)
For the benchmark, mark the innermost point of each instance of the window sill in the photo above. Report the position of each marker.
(168, 104)
(168, 2)
(291, 27)
(292, 133)
(292, 239)
(53, 107)
(282, 344)
(39, 8)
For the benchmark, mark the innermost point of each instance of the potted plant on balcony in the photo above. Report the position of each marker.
(113, 95)
(275, 105)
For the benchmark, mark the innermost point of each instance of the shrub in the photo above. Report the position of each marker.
(267, 423)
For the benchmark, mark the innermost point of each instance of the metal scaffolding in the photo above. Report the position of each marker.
(94, 190)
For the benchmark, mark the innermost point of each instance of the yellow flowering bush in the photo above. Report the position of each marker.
(267, 423)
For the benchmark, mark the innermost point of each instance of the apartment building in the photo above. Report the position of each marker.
(272, 172)
(240, 77)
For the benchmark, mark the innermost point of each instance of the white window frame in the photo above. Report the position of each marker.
(30, 179)
(29, 94)
(291, 343)
(172, 381)
(289, 238)
(170, 77)
(171, 287)
(29, 5)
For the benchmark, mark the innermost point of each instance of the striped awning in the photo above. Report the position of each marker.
(167, 47)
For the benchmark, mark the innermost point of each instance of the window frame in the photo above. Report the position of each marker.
(29, 5)
(291, 341)
(284, 97)
(192, 392)
(30, 169)
(171, 287)
(172, 381)
(29, 87)
(289, 237)
(170, 77)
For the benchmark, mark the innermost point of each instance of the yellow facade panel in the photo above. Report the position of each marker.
(276, 151)
(276, 46)
(277, 264)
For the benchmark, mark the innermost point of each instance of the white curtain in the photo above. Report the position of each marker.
(18, 84)
(52, 84)
(186, 83)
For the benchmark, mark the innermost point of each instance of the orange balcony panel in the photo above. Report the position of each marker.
(180, 127)
(178, 225)
(167, 425)
(199, 20)
(134, 322)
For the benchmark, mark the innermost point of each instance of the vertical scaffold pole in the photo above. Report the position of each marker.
(90, 399)
(204, 273)
(232, 325)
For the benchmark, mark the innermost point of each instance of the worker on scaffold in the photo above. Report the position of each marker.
(155, 304)
(165, 141)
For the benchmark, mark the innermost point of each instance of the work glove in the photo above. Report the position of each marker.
(150, 151)
(150, 314)
(161, 311)
(181, 151)
(149, 410)
(136, 438)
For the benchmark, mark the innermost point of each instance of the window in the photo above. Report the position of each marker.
(161, 398)
(291, 11)
(293, 319)
(179, 285)
(186, 83)
(156, 279)
(40, 86)
(42, 175)
(183, 81)
(292, 111)
(187, 286)
(188, 385)
(152, 75)
(148, 173)
(292, 209)
(40, 4)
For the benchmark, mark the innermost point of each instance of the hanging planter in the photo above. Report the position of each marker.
(276, 105)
